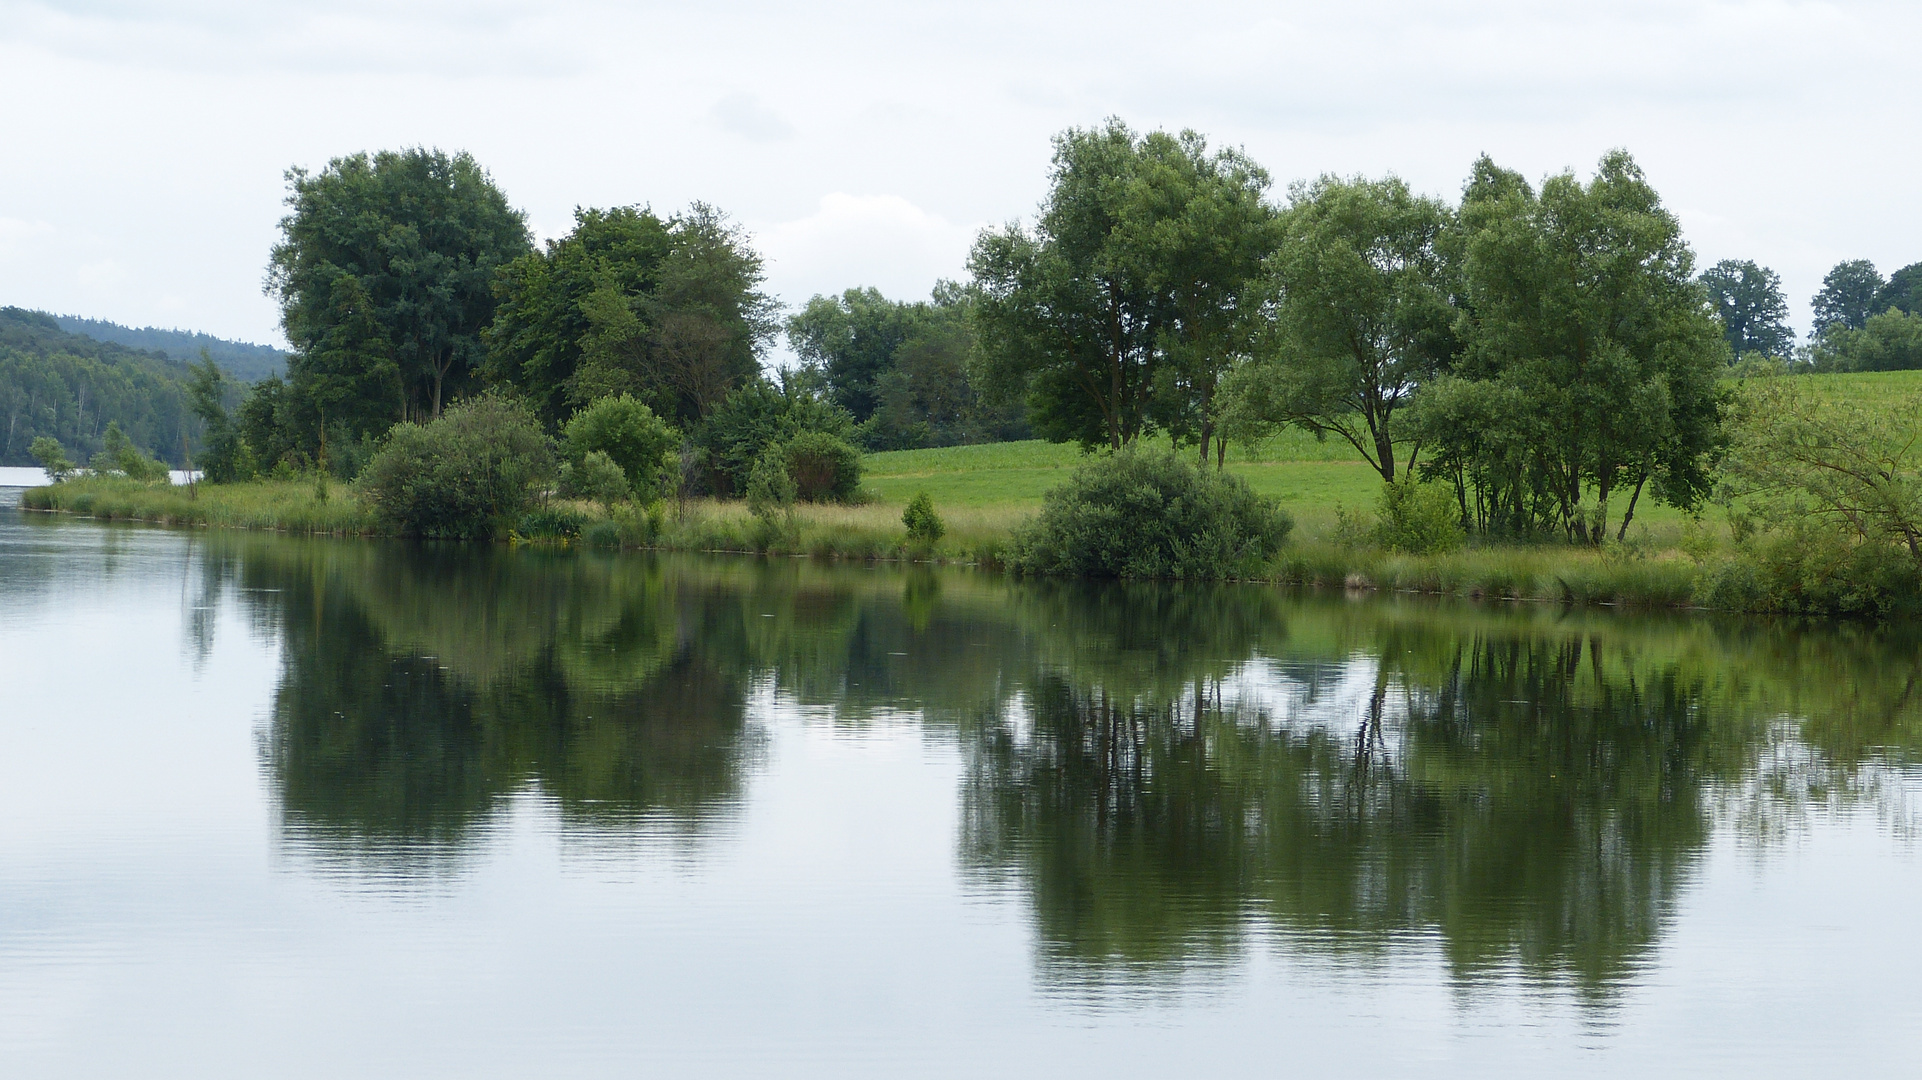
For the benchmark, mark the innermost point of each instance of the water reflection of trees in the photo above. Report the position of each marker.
(1163, 773)
(1532, 792)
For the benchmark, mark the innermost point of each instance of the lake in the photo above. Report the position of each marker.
(292, 808)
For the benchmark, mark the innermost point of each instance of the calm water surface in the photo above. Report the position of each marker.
(275, 807)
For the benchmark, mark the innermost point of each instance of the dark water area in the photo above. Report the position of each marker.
(286, 807)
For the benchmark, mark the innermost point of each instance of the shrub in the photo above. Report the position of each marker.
(1813, 569)
(1418, 519)
(824, 467)
(462, 476)
(596, 477)
(757, 416)
(550, 523)
(770, 487)
(1143, 514)
(118, 454)
(644, 446)
(924, 525)
(52, 457)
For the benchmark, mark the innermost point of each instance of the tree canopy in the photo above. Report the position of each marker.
(1848, 296)
(385, 276)
(668, 310)
(1120, 308)
(1754, 313)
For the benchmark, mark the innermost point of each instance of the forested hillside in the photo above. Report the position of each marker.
(71, 387)
(243, 360)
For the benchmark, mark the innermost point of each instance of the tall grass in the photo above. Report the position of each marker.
(293, 506)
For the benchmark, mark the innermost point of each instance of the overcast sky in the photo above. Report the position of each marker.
(142, 145)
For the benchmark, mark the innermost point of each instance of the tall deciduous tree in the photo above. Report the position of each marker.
(668, 310)
(1754, 313)
(1363, 317)
(1119, 310)
(1848, 296)
(385, 273)
(851, 340)
(1591, 358)
(1903, 291)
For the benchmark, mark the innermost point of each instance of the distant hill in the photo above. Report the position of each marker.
(241, 359)
(70, 386)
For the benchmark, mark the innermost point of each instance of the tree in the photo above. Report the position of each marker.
(756, 417)
(1591, 358)
(52, 457)
(1848, 296)
(1363, 319)
(851, 340)
(668, 310)
(224, 456)
(1799, 459)
(1754, 313)
(1200, 234)
(385, 276)
(1889, 341)
(1069, 310)
(1903, 291)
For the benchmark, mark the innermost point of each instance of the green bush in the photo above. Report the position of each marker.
(1418, 519)
(118, 454)
(1812, 570)
(628, 433)
(756, 417)
(461, 477)
(595, 477)
(1146, 514)
(770, 487)
(550, 523)
(924, 525)
(825, 467)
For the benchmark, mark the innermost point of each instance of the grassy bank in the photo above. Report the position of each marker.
(290, 506)
(984, 493)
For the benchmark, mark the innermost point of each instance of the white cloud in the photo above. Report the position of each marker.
(882, 241)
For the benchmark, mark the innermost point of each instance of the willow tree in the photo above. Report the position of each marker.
(1591, 356)
(1133, 292)
(1362, 315)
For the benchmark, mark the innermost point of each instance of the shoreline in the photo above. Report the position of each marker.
(1536, 574)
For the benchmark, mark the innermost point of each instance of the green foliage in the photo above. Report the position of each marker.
(68, 387)
(923, 523)
(824, 467)
(53, 458)
(771, 489)
(462, 476)
(239, 359)
(1903, 291)
(1120, 310)
(851, 340)
(669, 311)
(595, 476)
(119, 455)
(1417, 518)
(1890, 341)
(1753, 311)
(626, 431)
(224, 456)
(385, 275)
(1848, 296)
(551, 523)
(1798, 460)
(1591, 364)
(1364, 316)
(757, 416)
(1147, 514)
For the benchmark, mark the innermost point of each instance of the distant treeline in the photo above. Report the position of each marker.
(241, 359)
(70, 387)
